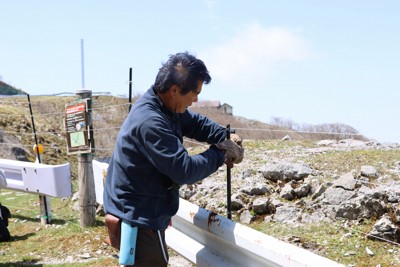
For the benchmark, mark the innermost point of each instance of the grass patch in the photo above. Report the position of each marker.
(342, 243)
(346, 161)
(63, 241)
(278, 145)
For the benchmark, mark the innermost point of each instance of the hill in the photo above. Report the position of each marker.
(109, 112)
(6, 89)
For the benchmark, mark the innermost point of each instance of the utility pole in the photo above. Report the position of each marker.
(87, 193)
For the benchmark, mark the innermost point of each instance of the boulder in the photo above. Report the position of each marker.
(335, 196)
(246, 217)
(385, 229)
(346, 182)
(369, 171)
(285, 171)
(263, 206)
(360, 208)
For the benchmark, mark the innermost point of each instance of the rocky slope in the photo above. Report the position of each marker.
(291, 186)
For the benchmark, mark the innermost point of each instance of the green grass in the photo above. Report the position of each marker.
(32, 242)
(329, 240)
(277, 145)
(346, 161)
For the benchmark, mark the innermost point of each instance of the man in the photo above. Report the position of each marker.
(150, 163)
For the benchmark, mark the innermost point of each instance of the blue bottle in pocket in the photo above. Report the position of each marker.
(128, 244)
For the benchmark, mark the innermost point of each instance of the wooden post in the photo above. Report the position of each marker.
(87, 194)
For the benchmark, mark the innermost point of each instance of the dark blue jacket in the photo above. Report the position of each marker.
(149, 160)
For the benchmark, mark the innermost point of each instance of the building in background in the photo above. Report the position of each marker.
(223, 109)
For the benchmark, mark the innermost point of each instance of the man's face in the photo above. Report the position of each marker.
(184, 101)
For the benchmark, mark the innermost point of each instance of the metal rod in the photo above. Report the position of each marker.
(38, 155)
(34, 129)
(130, 89)
(228, 178)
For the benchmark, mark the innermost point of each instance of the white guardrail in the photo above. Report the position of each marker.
(43, 179)
(208, 239)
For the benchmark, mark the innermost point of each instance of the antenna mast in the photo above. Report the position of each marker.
(82, 65)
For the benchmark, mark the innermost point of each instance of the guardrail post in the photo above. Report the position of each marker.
(45, 210)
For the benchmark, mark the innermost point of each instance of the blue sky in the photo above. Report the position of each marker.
(309, 61)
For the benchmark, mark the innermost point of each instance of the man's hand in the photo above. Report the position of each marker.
(233, 152)
(238, 140)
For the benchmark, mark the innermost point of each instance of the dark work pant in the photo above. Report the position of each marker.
(151, 249)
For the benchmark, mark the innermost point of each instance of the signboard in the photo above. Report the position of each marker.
(79, 132)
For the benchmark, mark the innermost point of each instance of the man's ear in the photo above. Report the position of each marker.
(174, 90)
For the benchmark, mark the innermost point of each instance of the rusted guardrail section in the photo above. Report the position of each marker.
(208, 239)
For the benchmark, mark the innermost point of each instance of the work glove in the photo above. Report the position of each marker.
(237, 139)
(233, 152)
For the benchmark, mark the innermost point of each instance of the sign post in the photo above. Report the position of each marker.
(80, 140)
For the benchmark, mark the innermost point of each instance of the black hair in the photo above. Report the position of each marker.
(183, 70)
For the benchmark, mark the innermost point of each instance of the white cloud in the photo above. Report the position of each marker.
(254, 52)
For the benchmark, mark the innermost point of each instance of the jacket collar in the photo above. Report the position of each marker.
(158, 100)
